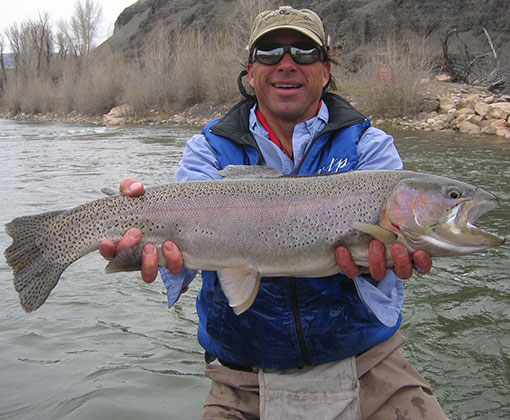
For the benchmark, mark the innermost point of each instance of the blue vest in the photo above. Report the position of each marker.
(293, 321)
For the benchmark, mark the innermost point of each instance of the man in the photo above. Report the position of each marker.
(302, 346)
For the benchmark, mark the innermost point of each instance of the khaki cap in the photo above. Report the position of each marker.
(286, 17)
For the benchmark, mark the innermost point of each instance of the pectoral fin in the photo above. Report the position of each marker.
(378, 232)
(240, 285)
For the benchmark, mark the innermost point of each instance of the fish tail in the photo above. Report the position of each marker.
(35, 274)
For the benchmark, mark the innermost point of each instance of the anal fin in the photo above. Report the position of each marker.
(127, 259)
(240, 285)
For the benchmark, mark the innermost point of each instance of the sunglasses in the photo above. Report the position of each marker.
(273, 54)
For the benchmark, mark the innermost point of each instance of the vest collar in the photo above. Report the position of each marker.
(235, 124)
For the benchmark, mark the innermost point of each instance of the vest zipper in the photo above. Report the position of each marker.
(297, 321)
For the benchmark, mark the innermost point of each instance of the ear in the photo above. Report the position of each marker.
(326, 74)
(249, 69)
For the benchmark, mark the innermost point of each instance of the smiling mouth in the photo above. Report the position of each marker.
(285, 86)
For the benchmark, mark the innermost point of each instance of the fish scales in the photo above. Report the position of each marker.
(240, 226)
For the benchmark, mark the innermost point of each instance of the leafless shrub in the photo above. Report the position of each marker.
(148, 76)
(389, 83)
(222, 66)
(100, 84)
(182, 69)
(30, 96)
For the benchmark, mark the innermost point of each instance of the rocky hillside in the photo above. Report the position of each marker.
(353, 26)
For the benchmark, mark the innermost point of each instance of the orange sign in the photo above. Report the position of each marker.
(385, 74)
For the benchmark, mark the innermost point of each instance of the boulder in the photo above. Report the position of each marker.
(469, 128)
(486, 123)
(503, 132)
(446, 78)
(474, 119)
(438, 125)
(446, 104)
(464, 111)
(499, 110)
(498, 123)
(118, 115)
(481, 108)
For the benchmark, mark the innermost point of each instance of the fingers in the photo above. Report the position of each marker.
(149, 263)
(130, 239)
(131, 187)
(173, 256)
(107, 249)
(344, 260)
(377, 260)
(422, 261)
(403, 266)
(150, 260)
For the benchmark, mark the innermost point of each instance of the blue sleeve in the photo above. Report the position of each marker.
(198, 163)
(376, 150)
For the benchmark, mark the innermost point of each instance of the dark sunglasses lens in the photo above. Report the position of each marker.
(269, 57)
(305, 56)
(301, 55)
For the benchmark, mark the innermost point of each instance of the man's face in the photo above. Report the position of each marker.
(287, 90)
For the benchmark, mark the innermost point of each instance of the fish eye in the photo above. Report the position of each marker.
(454, 193)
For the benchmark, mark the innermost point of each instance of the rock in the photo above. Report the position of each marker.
(474, 119)
(464, 111)
(503, 132)
(446, 78)
(118, 115)
(498, 123)
(481, 108)
(486, 123)
(469, 128)
(121, 111)
(446, 103)
(438, 125)
(467, 103)
(461, 118)
(500, 110)
(489, 130)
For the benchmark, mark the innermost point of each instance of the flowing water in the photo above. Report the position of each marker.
(106, 347)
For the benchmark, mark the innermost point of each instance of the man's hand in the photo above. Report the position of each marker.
(403, 265)
(131, 187)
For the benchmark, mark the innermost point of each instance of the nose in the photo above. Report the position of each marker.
(287, 63)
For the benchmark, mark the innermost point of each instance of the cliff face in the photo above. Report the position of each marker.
(352, 24)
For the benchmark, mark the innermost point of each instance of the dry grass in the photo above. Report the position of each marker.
(390, 80)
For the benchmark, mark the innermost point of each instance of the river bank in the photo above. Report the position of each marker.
(449, 107)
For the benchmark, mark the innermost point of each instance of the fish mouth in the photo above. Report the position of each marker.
(458, 235)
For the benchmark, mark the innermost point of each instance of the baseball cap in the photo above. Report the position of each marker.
(286, 17)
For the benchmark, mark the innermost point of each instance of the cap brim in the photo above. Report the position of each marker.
(304, 31)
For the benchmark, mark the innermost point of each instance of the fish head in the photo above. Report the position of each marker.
(436, 214)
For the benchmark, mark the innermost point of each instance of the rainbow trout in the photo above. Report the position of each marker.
(256, 222)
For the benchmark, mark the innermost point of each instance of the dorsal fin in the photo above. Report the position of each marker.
(249, 172)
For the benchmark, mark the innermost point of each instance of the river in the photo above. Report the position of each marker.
(107, 347)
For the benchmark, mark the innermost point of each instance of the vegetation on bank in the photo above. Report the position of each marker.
(57, 70)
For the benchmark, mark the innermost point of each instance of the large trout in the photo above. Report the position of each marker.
(256, 222)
